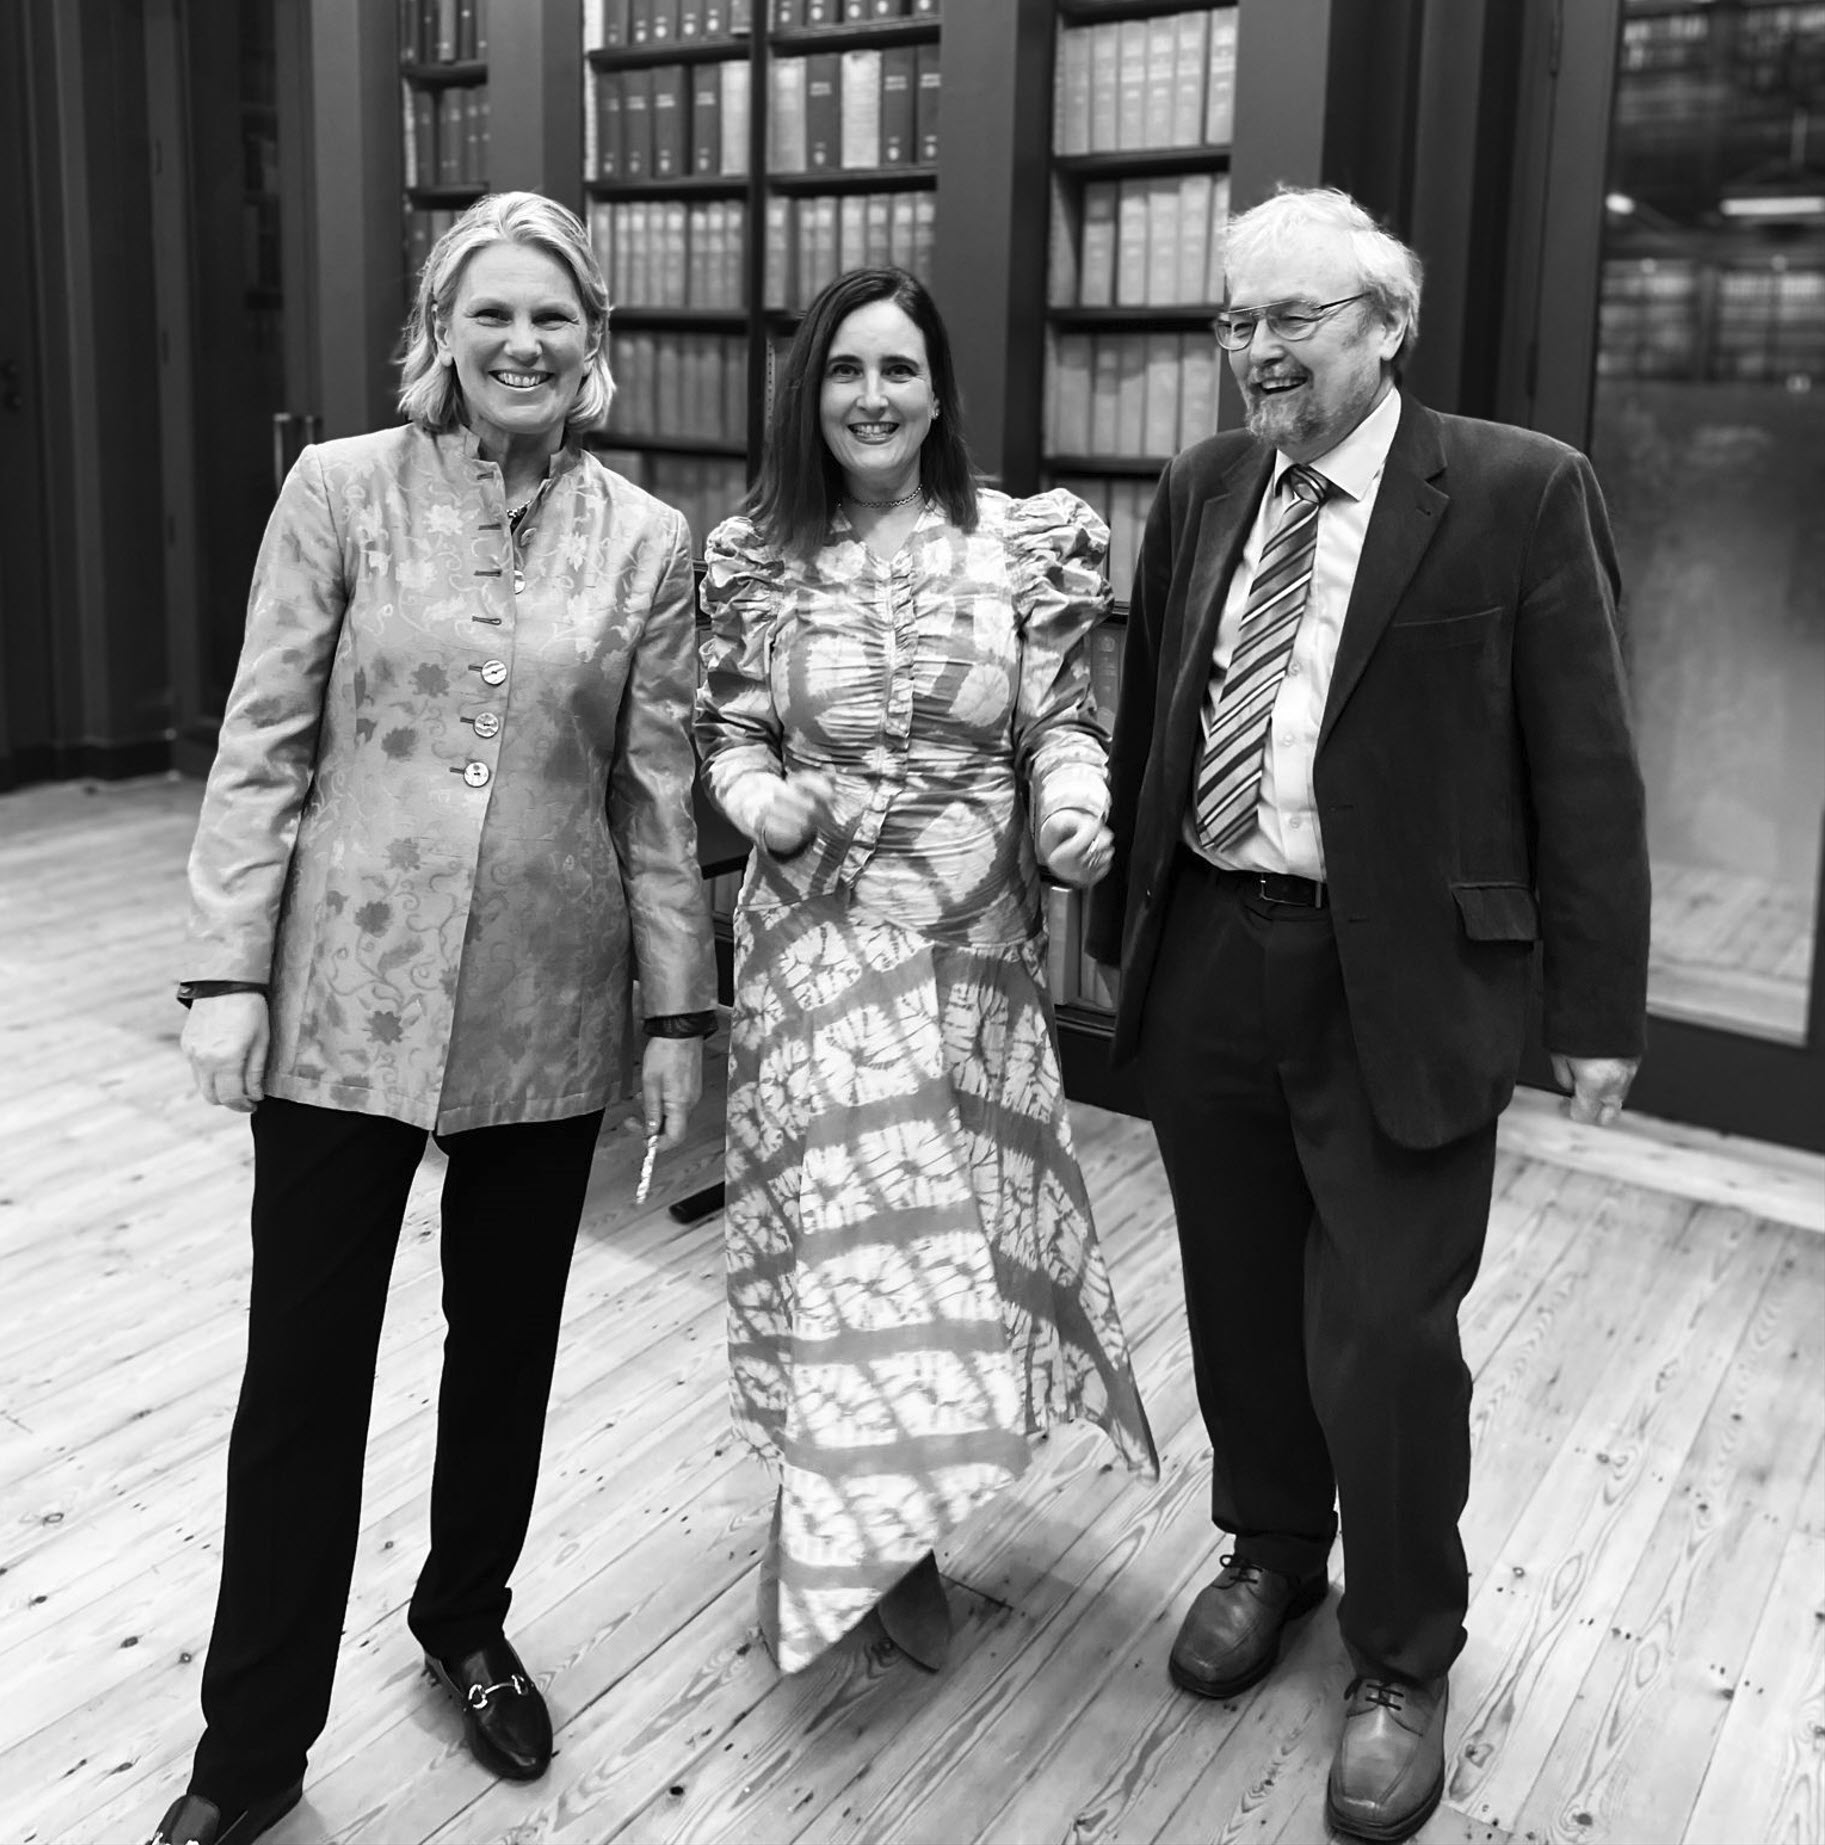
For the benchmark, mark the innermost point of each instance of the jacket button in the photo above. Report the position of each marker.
(494, 672)
(487, 724)
(476, 774)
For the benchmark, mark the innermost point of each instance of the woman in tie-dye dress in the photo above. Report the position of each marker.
(897, 711)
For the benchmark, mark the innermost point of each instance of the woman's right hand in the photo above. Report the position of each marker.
(225, 1039)
(799, 802)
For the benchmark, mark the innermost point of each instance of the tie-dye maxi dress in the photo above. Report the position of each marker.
(915, 1286)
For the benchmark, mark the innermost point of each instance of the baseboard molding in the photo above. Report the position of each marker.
(1784, 1184)
(69, 762)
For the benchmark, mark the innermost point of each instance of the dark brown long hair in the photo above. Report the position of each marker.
(792, 501)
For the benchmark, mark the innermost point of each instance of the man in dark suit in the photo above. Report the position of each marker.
(1372, 762)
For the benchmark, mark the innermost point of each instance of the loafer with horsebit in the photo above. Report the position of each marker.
(505, 1721)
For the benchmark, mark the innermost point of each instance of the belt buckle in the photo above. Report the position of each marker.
(1266, 895)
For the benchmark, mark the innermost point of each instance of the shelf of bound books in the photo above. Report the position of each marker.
(443, 89)
(813, 121)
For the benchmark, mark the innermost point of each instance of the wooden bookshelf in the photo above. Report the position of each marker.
(444, 118)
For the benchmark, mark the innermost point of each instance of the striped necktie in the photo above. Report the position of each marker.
(1240, 703)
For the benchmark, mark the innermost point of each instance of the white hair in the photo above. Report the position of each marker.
(1390, 272)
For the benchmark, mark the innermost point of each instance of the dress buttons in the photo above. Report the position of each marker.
(519, 582)
(476, 774)
(487, 725)
(494, 672)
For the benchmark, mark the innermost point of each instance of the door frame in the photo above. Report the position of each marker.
(1703, 1074)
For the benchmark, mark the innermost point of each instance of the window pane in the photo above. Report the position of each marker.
(1708, 432)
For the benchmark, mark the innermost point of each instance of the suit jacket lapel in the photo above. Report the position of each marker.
(1409, 510)
(1222, 529)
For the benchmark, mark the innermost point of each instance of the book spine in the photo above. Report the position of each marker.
(787, 124)
(1105, 61)
(1220, 96)
(1061, 249)
(1190, 63)
(1194, 239)
(1071, 382)
(706, 118)
(1096, 275)
(925, 107)
(861, 110)
(1131, 244)
(735, 117)
(851, 232)
(925, 234)
(1163, 232)
(900, 236)
(1131, 394)
(637, 124)
(823, 111)
(1160, 426)
(1105, 381)
(899, 74)
(1131, 86)
(671, 122)
(1197, 392)
(877, 244)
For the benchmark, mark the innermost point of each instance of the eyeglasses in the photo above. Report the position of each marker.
(1236, 331)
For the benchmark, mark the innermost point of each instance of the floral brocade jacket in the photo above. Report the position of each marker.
(450, 817)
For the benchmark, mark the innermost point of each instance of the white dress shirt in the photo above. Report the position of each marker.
(1285, 836)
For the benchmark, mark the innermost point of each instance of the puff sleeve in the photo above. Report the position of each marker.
(738, 729)
(1061, 591)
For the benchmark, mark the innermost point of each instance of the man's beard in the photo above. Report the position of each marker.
(1275, 421)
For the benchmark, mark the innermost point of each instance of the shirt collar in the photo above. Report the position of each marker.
(1355, 464)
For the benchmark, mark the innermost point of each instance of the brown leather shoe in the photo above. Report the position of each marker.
(1230, 1636)
(1390, 1768)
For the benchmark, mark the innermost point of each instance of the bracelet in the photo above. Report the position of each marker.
(187, 990)
(681, 1025)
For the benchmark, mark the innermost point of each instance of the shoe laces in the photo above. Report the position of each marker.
(1389, 1693)
(1240, 1568)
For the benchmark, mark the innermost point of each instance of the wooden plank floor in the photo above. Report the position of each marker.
(1647, 1531)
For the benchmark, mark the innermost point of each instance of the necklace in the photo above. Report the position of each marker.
(905, 499)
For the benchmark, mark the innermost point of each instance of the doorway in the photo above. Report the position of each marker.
(228, 107)
(1671, 321)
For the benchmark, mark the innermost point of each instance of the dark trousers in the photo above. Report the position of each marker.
(1324, 1267)
(330, 1193)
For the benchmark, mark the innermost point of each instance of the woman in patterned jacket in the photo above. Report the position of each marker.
(896, 709)
(449, 823)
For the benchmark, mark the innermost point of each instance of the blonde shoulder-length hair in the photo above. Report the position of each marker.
(429, 394)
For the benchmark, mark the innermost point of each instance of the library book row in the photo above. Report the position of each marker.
(1139, 396)
(705, 488)
(1679, 318)
(641, 25)
(1133, 85)
(442, 31)
(854, 110)
(1139, 242)
(811, 241)
(666, 122)
(679, 387)
(446, 136)
(662, 253)
(810, 15)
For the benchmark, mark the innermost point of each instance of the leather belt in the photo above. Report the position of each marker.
(1269, 886)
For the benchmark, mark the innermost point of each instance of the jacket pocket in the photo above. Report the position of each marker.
(1497, 912)
(1466, 628)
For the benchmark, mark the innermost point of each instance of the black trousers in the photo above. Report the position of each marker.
(1324, 1268)
(330, 1191)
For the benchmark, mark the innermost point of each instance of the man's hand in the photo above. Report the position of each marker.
(671, 1080)
(1076, 847)
(225, 1039)
(1599, 1086)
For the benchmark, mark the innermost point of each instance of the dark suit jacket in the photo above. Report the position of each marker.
(1476, 780)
